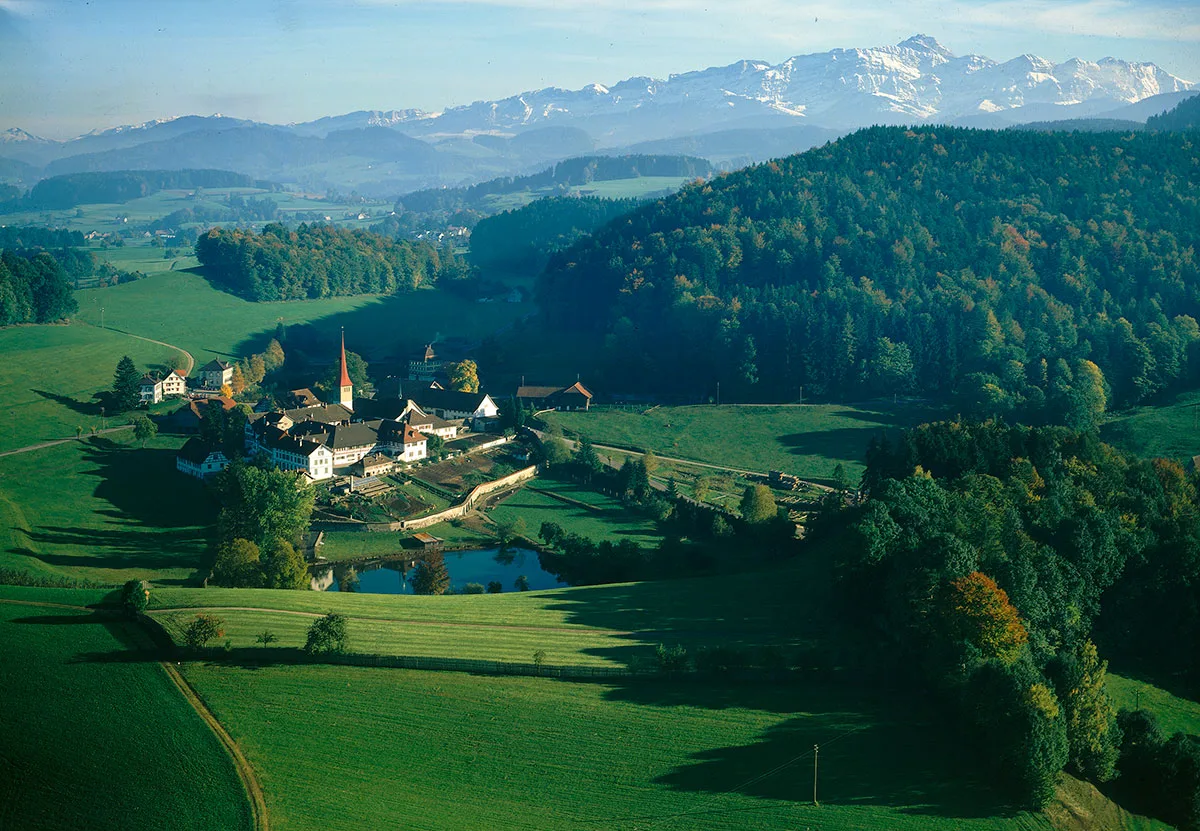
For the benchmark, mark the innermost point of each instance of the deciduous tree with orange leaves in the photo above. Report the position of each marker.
(980, 613)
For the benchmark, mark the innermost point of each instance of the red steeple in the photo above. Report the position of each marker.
(345, 380)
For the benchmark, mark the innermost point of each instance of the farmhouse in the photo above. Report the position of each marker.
(402, 441)
(450, 404)
(175, 383)
(574, 397)
(187, 418)
(151, 389)
(196, 458)
(216, 374)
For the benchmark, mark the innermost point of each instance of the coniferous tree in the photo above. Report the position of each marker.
(126, 388)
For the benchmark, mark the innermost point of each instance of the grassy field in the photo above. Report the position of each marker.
(1174, 714)
(105, 510)
(88, 740)
(804, 440)
(1171, 431)
(50, 374)
(449, 750)
(617, 625)
(607, 519)
(147, 259)
(164, 307)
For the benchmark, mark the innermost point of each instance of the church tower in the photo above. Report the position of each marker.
(346, 388)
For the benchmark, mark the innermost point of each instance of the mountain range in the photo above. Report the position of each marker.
(733, 115)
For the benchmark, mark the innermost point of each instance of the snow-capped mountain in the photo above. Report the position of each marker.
(917, 80)
(15, 135)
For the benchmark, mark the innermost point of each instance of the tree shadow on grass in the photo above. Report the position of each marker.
(844, 442)
(144, 486)
(875, 749)
(91, 409)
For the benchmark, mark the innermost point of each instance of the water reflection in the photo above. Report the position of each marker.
(482, 566)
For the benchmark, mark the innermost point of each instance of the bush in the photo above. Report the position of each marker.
(495, 587)
(720, 660)
(203, 629)
(327, 635)
(671, 660)
(473, 588)
(135, 597)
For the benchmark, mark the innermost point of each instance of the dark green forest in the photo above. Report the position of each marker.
(1047, 276)
(987, 563)
(69, 190)
(34, 288)
(526, 237)
(318, 261)
(1184, 116)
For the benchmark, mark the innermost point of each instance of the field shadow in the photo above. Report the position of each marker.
(873, 751)
(143, 486)
(86, 408)
(843, 442)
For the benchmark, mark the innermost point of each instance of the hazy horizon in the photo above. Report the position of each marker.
(67, 69)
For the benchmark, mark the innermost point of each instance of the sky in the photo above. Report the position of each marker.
(70, 66)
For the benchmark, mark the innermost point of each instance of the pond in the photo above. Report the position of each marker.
(477, 566)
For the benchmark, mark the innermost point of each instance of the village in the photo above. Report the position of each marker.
(363, 451)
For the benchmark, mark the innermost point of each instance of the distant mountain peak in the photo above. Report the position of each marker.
(15, 134)
(926, 43)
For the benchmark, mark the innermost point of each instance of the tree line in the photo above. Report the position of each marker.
(34, 288)
(987, 564)
(1045, 276)
(71, 189)
(319, 261)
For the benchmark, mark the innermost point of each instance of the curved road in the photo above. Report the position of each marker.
(191, 362)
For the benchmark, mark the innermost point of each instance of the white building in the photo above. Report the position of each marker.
(175, 383)
(201, 460)
(151, 390)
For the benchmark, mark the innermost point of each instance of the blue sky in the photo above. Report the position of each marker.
(69, 66)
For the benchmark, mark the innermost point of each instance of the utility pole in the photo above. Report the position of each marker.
(718, 393)
(801, 393)
(816, 750)
(101, 317)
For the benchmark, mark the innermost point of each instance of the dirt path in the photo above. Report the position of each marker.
(452, 623)
(191, 362)
(54, 442)
(258, 802)
(249, 779)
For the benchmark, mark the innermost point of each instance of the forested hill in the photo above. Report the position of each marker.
(73, 189)
(318, 261)
(1042, 274)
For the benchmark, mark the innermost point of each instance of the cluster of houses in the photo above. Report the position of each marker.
(359, 436)
(213, 376)
(355, 435)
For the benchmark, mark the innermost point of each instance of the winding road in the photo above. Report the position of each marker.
(191, 362)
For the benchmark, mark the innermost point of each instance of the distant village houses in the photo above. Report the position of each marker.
(574, 397)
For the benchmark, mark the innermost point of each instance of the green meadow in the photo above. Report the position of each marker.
(89, 739)
(599, 517)
(51, 373)
(104, 509)
(183, 309)
(806, 440)
(451, 750)
(1175, 714)
(1170, 430)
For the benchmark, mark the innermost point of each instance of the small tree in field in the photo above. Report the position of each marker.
(327, 634)
(143, 429)
(203, 629)
(758, 504)
(135, 596)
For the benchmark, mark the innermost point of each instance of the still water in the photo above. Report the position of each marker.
(478, 566)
